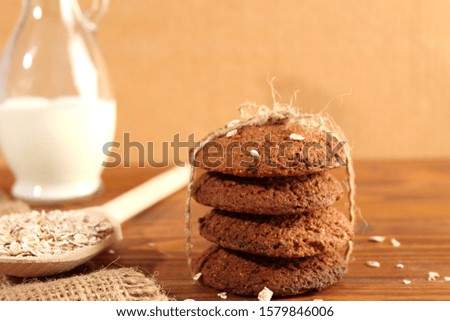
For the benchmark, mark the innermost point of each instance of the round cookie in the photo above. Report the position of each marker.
(277, 148)
(247, 275)
(268, 195)
(285, 236)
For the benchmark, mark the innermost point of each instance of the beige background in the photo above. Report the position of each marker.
(185, 65)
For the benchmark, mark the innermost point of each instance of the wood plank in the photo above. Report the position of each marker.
(405, 200)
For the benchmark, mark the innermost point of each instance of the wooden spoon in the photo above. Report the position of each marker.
(116, 211)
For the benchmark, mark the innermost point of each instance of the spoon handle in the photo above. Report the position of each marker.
(147, 194)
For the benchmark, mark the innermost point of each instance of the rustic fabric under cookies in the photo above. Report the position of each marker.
(123, 284)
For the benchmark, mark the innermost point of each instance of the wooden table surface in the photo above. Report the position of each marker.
(405, 200)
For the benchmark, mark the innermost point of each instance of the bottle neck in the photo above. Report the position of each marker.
(40, 9)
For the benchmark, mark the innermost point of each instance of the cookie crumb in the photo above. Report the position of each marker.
(294, 136)
(447, 278)
(399, 266)
(265, 294)
(222, 295)
(197, 276)
(407, 281)
(377, 238)
(111, 251)
(432, 276)
(374, 264)
(231, 133)
(233, 123)
(395, 243)
(254, 153)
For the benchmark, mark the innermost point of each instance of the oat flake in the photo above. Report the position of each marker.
(222, 295)
(265, 294)
(80, 238)
(233, 123)
(294, 136)
(407, 281)
(432, 276)
(447, 278)
(374, 264)
(197, 276)
(399, 266)
(395, 243)
(231, 133)
(254, 153)
(377, 238)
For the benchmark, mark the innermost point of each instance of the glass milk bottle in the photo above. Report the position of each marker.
(57, 108)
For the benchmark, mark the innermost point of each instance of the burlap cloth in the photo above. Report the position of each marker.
(123, 284)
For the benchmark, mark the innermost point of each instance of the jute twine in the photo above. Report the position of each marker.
(124, 284)
(253, 114)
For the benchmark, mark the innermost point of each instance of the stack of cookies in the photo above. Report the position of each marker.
(272, 221)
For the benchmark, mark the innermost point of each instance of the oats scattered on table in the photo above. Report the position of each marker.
(374, 264)
(197, 276)
(222, 295)
(265, 294)
(407, 281)
(432, 276)
(231, 133)
(48, 233)
(395, 243)
(400, 266)
(377, 238)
